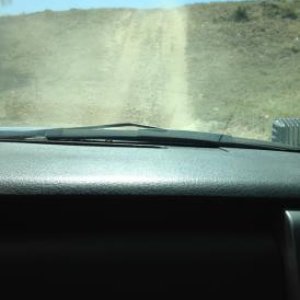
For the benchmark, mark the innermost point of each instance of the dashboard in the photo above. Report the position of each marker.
(217, 222)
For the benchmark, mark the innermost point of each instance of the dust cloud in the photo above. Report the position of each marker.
(113, 66)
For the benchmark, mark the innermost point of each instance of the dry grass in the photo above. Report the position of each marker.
(244, 74)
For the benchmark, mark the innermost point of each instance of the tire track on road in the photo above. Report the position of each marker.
(149, 81)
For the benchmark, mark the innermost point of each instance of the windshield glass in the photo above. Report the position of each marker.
(211, 66)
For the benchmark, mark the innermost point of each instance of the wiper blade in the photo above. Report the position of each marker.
(114, 125)
(166, 137)
(143, 135)
(42, 133)
(159, 136)
(154, 135)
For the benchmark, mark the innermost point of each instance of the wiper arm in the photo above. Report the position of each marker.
(42, 133)
(147, 135)
(165, 137)
(159, 136)
(152, 135)
(23, 134)
(114, 125)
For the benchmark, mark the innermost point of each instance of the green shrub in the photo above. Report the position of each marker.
(271, 9)
(289, 13)
(240, 15)
(280, 9)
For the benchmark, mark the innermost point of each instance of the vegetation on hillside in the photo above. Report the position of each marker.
(244, 63)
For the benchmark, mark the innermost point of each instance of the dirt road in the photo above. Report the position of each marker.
(188, 68)
(128, 67)
(151, 71)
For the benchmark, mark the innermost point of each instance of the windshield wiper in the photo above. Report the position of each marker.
(115, 125)
(42, 133)
(152, 135)
(165, 137)
(142, 134)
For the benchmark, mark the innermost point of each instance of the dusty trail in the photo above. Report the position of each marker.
(126, 66)
(151, 72)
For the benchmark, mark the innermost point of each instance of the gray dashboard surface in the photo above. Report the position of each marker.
(35, 169)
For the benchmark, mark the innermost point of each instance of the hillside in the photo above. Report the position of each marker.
(225, 67)
(244, 73)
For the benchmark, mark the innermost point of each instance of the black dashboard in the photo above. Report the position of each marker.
(34, 169)
(217, 222)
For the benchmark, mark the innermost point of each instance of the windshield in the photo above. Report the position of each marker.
(220, 67)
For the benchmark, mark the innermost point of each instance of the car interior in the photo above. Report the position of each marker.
(219, 222)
